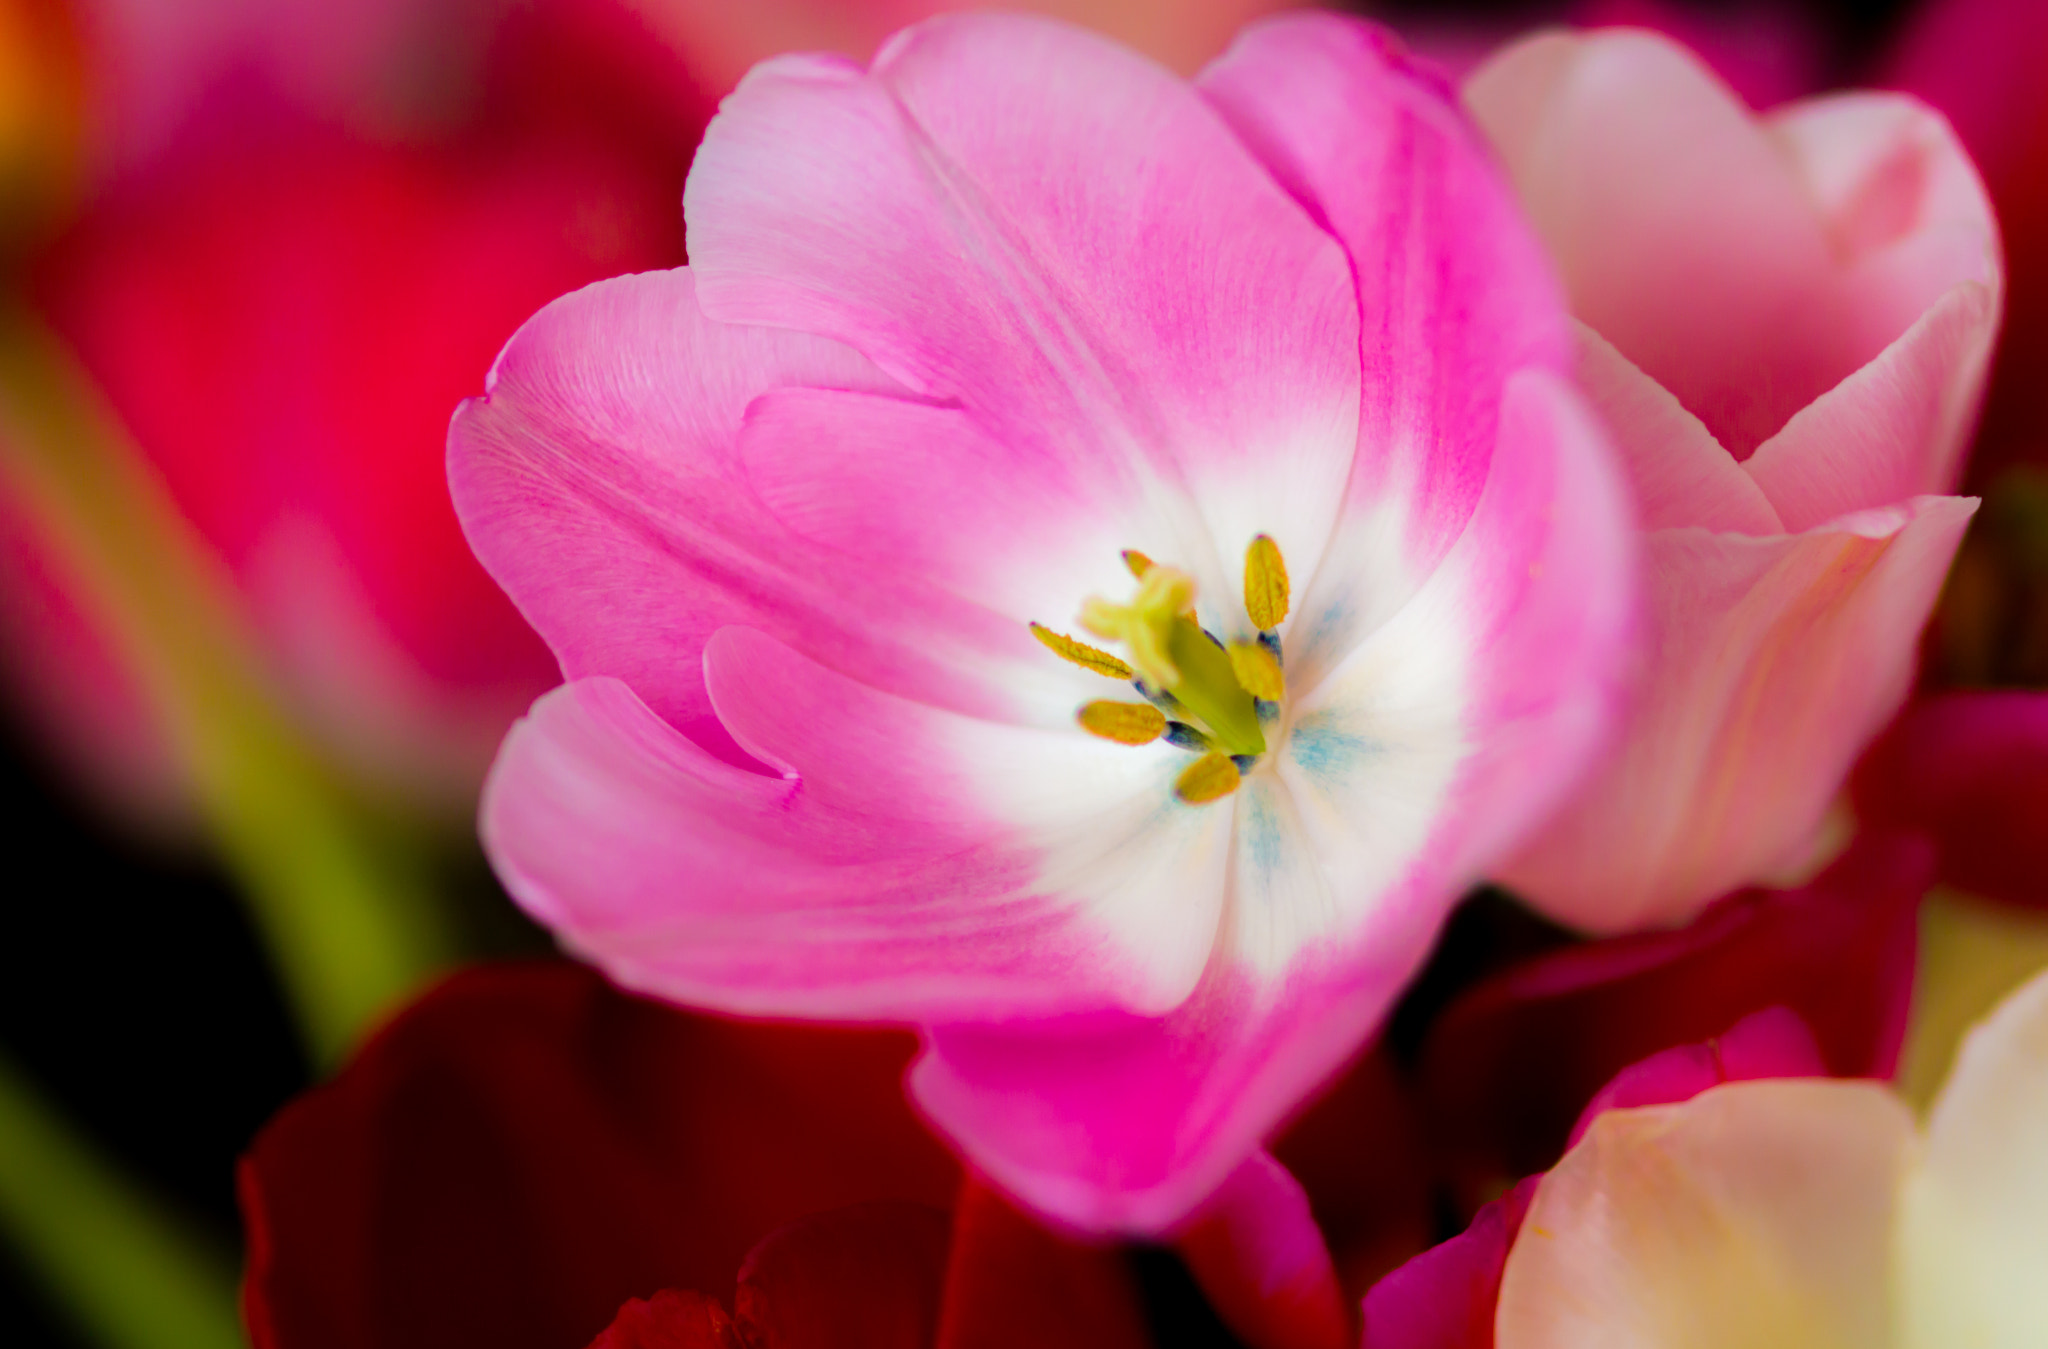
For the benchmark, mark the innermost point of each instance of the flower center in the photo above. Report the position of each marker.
(1203, 696)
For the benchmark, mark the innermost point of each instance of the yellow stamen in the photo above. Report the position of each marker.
(1145, 625)
(1080, 653)
(1209, 778)
(1257, 672)
(1137, 562)
(1125, 723)
(1265, 584)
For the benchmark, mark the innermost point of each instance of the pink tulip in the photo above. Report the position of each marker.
(1785, 322)
(959, 328)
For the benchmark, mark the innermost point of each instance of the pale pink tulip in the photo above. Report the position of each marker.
(1785, 322)
(959, 327)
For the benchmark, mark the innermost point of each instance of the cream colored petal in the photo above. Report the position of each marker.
(1755, 1215)
(1973, 1218)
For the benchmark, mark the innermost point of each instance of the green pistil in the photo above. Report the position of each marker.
(1208, 688)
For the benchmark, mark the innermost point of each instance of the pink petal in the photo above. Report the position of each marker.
(850, 888)
(1113, 1122)
(1062, 238)
(1455, 294)
(598, 480)
(1514, 1061)
(1891, 431)
(1770, 662)
(1972, 770)
(1748, 267)
(1255, 1249)
(1679, 473)
(1444, 1298)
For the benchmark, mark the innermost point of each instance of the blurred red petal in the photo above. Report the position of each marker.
(1014, 1284)
(1511, 1063)
(868, 1277)
(526, 1148)
(670, 1320)
(1971, 769)
(1359, 1156)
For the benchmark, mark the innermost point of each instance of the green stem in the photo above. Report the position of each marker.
(352, 927)
(129, 1274)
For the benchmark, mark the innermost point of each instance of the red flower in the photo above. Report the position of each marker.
(526, 1149)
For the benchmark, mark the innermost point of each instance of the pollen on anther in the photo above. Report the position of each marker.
(1265, 584)
(1081, 654)
(1125, 723)
(1137, 562)
(1257, 672)
(1209, 778)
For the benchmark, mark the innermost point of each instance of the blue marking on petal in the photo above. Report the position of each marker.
(1325, 750)
(1262, 838)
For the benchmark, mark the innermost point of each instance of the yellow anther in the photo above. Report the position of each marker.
(1080, 653)
(1258, 673)
(1145, 625)
(1125, 723)
(1137, 562)
(1209, 778)
(1265, 584)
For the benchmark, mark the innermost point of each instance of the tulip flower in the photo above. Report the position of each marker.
(1785, 322)
(1083, 564)
(1802, 1212)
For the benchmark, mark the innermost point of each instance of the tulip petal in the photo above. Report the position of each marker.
(868, 1277)
(1756, 1214)
(597, 480)
(1445, 1297)
(1090, 274)
(1973, 1222)
(1012, 1284)
(1891, 431)
(1256, 1251)
(1455, 294)
(525, 1148)
(1112, 1122)
(1772, 660)
(670, 1320)
(1680, 474)
(1746, 265)
(863, 882)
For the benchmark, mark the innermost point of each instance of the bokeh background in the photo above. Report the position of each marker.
(252, 255)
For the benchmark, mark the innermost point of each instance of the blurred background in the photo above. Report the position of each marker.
(251, 256)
